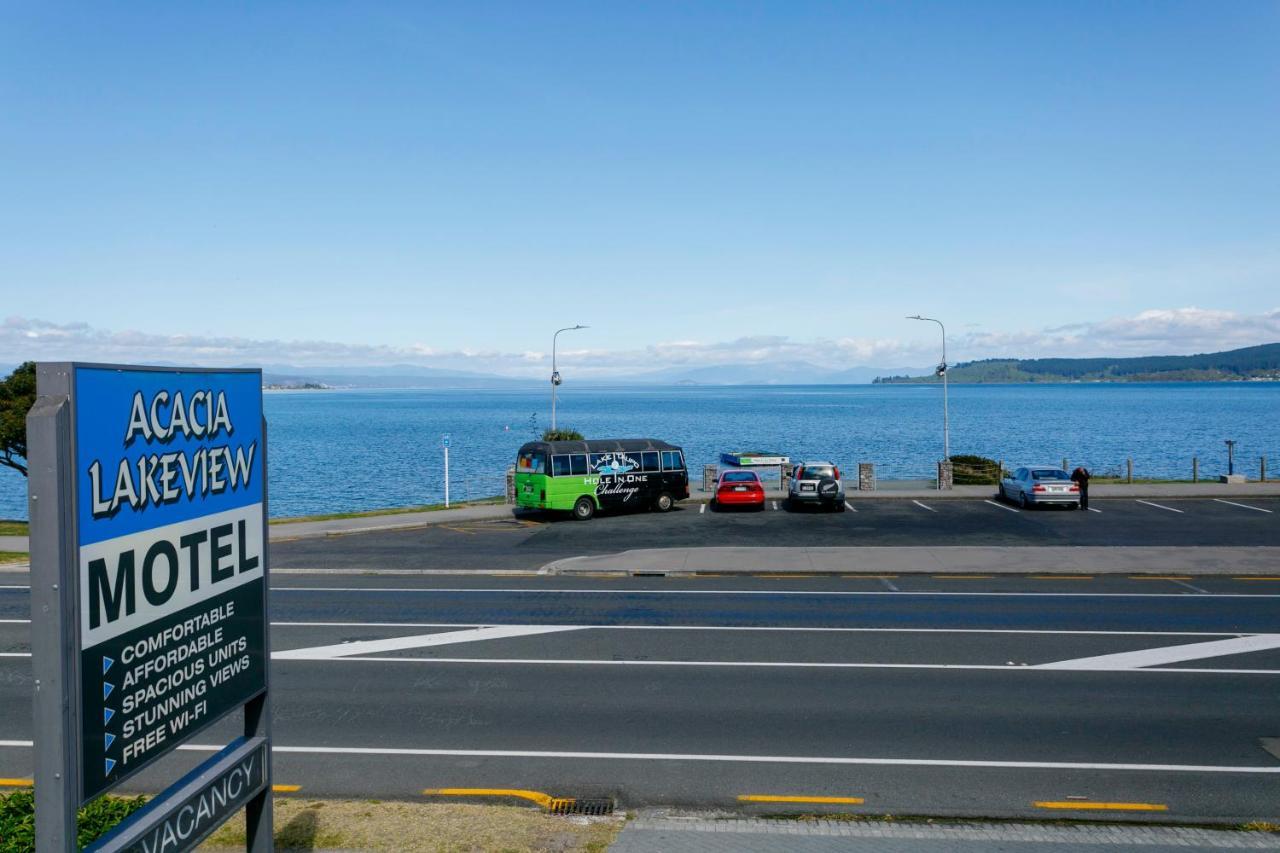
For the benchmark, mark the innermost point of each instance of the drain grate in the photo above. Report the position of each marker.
(590, 806)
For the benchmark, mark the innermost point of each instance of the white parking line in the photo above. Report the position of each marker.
(1159, 506)
(1242, 506)
(702, 508)
(1002, 506)
(775, 504)
(849, 506)
(923, 506)
(1091, 509)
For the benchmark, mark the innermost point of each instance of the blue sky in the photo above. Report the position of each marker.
(448, 183)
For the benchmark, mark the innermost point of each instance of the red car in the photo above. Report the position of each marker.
(739, 488)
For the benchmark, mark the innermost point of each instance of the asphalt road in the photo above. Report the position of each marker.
(944, 696)
(532, 541)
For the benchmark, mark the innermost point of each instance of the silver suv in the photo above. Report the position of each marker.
(816, 483)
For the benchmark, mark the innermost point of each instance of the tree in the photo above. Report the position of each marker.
(17, 396)
(562, 435)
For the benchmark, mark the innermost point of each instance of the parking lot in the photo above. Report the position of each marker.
(530, 540)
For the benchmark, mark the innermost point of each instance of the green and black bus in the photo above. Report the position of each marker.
(584, 476)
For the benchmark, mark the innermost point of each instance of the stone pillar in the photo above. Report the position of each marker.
(511, 484)
(945, 476)
(866, 477)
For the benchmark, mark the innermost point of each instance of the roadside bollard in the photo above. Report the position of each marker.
(1262, 469)
(946, 475)
(1129, 468)
(1195, 469)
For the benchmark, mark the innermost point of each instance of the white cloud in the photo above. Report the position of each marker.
(1164, 331)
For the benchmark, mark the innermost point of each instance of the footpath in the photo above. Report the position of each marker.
(659, 834)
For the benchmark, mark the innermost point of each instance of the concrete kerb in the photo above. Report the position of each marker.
(960, 559)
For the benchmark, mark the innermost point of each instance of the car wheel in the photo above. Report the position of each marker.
(838, 506)
(1022, 500)
(584, 508)
(664, 503)
(1000, 495)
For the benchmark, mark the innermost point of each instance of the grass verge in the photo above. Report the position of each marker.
(9, 557)
(306, 824)
(374, 513)
(13, 528)
(18, 822)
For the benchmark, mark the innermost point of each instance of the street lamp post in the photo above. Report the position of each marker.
(942, 371)
(555, 374)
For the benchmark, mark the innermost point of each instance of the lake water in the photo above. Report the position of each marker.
(334, 451)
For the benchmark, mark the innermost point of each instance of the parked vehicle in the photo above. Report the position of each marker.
(816, 483)
(736, 487)
(1040, 484)
(585, 476)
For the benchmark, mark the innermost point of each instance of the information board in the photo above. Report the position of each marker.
(169, 503)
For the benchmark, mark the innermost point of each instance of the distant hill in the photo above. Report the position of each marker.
(761, 373)
(1250, 363)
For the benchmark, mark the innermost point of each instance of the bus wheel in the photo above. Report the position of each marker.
(584, 508)
(664, 503)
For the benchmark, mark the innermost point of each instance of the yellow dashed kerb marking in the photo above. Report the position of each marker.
(788, 798)
(1112, 807)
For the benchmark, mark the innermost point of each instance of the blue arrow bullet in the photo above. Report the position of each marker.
(106, 689)
(106, 663)
(110, 740)
(107, 714)
(109, 762)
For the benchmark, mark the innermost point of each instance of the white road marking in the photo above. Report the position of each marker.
(1169, 654)
(742, 664)
(15, 654)
(1047, 631)
(1159, 506)
(888, 584)
(1091, 509)
(923, 506)
(702, 508)
(775, 504)
(849, 507)
(1243, 506)
(1002, 506)
(736, 759)
(451, 590)
(419, 641)
(1191, 587)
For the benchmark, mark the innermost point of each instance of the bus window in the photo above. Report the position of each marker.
(649, 461)
(560, 466)
(532, 462)
(578, 462)
(671, 461)
(596, 459)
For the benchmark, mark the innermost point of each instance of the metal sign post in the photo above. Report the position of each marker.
(148, 594)
(444, 442)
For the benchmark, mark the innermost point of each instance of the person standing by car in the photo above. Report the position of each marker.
(1080, 477)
